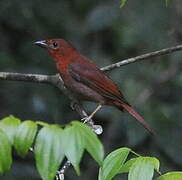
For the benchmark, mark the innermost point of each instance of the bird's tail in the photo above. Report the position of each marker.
(129, 109)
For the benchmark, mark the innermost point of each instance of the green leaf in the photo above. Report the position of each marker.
(126, 166)
(176, 175)
(92, 142)
(143, 168)
(154, 161)
(24, 137)
(5, 152)
(48, 151)
(123, 2)
(9, 125)
(41, 123)
(73, 144)
(112, 163)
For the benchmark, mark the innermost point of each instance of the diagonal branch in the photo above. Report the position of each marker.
(142, 57)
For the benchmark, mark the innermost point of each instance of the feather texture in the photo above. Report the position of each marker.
(85, 80)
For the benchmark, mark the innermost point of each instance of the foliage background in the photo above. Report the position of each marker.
(106, 34)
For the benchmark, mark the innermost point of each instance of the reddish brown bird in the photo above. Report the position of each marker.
(85, 80)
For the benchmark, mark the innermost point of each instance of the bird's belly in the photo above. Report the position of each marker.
(84, 93)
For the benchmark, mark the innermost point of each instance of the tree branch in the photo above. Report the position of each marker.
(143, 57)
(54, 80)
(25, 77)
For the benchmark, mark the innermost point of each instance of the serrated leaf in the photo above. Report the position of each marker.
(112, 163)
(5, 152)
(92, 142)
(48, 151)
(73, 144)
(24, 137)
(175, 175)
(9, 125)
(143, 168)
(123, 2)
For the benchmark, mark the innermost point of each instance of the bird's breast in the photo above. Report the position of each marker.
(81, 91)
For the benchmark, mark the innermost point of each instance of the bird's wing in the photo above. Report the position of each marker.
(88, 74)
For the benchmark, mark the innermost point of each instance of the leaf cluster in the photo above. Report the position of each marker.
(52, 143)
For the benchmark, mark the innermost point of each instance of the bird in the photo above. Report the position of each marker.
(85, 81)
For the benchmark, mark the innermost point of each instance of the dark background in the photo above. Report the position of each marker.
(106, 34)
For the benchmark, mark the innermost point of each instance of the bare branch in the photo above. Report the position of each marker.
(25, 77)
(54, 80)
(142, 57)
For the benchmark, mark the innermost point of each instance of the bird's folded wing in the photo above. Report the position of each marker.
(89, 75)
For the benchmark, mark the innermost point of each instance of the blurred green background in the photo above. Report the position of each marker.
(106, 34)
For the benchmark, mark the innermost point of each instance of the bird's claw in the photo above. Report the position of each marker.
(86, 119)
(96, 128)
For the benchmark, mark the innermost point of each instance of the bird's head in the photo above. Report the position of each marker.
(58, 48)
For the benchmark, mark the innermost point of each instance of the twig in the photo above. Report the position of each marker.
(142, 57)
(56, 81)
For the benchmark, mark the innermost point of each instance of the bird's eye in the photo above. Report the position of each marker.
(55, 45)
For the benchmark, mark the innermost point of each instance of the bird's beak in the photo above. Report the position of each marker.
(41, 43)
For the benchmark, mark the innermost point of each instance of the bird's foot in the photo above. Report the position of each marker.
(86, 119)
(96, 128)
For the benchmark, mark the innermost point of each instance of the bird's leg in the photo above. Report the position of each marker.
(86, 119)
